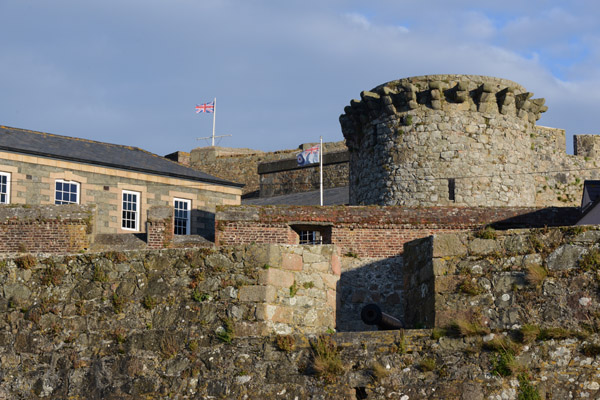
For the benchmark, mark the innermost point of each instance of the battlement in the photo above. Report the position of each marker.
(473, 93)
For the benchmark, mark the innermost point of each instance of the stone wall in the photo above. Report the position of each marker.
(191, 324)
(370, 231)
(241, 165)
(460, 140)
(285, 177)
(502, 280)
(47, 229)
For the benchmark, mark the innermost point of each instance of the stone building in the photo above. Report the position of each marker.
(461, 140)
(123, 182)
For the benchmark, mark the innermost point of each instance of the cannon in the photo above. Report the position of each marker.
(371, 314)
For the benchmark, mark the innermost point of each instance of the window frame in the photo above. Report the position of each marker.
(6, 175)
(77, 194)
(136, 213)
(188, 219)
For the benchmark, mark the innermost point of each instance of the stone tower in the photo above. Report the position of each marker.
(443, 140)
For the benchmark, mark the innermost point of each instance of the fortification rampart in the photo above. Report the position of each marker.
(285, 176)
(244, 166)
(460, 140)
(508, 279)
(193, 324)
(371, 231)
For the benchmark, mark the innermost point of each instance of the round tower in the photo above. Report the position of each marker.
(442, 140)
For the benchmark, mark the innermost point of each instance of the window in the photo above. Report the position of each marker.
(310, 237)
(131, 211)
(182, 216)
(67, 192)
(451, 189)
(4, 188)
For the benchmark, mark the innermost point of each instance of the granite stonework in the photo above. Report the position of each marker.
(460, 140)
(285, 176)
(504, 280)
(190, 324)
(245, 165)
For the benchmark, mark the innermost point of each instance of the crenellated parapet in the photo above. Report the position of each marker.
(469, 93)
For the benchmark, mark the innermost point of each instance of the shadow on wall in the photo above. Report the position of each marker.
(205, 224)
(368, 281)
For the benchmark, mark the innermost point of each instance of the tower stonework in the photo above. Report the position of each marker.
(461, 140)
(443, 140)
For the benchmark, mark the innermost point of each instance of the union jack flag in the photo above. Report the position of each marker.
(206, 107)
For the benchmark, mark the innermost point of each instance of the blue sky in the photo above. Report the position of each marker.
(131, 71)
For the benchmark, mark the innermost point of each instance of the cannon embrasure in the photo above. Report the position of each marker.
(371, 314)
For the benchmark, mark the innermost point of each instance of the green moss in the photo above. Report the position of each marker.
(591, 260)
(226, 333)
(148, 302)
(293, 289)
(486, 233)
(469, 287)
(427, 364)
(118, 303)
(308, 285)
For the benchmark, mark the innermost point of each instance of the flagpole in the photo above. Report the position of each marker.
(321, 168)
(214, 119)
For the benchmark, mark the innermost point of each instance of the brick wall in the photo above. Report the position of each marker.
(160, 227)
(45, 229)
(373, 231)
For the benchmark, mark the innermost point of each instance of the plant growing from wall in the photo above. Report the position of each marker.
(226, 332)
(378, 372)
(293, 289)
(148, 302)
(486, 233)
(535, 275)
(52, 275)
(591, 260)
(526, 390)
(327, 362)
(285, 342)
(469, 287)
(25, 262)
(427, 364)
(118, 303)
(169, 347)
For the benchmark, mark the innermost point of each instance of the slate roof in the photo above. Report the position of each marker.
(99, 153)
(592, 189)
(331, 197)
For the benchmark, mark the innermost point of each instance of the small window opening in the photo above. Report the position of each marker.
(310, 237)
(312, 234)
(451, 189)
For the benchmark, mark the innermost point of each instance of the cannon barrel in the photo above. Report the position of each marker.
(371, 314)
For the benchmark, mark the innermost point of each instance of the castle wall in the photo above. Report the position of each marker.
(541, 277)
(241, 165)
(369, 231)
(285, 177)
(460, 140)
(186, 324)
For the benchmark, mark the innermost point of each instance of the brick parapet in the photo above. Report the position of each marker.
(373, 231)
(46, 229)
(160, 227)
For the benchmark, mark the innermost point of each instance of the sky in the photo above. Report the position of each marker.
(131, 71)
